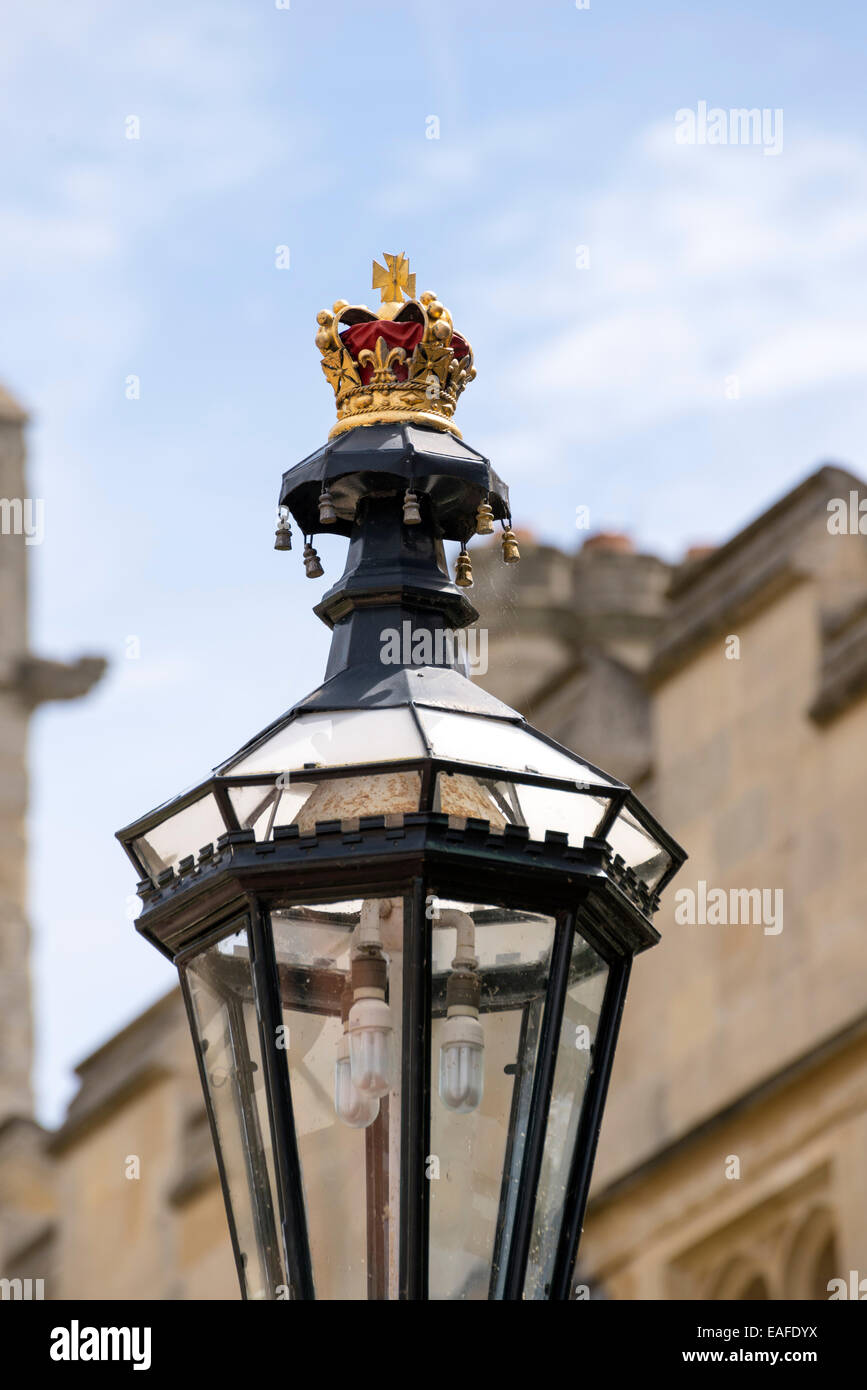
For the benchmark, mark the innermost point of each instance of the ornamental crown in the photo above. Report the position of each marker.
(405, 362)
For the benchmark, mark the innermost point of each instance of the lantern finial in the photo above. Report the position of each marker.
(405, 362)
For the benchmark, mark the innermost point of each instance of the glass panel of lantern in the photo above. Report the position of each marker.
(638, 849)
(504, 802)
(337, 739)
(183, 833)
(490, 976)
(500, 743)
(219, 990)
(487, 1069)
(588, 978)
(341, 983)
(286, 801)
(339, 970)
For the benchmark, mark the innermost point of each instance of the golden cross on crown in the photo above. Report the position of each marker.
(394, 281)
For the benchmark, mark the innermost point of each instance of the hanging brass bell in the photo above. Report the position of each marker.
(411, 513)
(463, 571)
(484, 519)
(511, 553)
(312, 567)
(283, 534)
(327, 514)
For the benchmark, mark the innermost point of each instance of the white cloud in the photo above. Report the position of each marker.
(706, 263)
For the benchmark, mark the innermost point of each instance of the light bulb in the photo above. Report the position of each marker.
(462, 1063)
(353, 1107)
(370, 1046)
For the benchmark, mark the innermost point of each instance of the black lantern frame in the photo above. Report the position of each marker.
(586, 890)
(409, 792)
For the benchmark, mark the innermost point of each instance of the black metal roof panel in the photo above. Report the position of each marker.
(433, 461)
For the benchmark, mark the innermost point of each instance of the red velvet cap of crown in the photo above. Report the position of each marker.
(405, 335)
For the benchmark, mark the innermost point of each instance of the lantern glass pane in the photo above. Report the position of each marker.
(478, 1153)
(184, 833)
(576, 814)
(498, 743)
(588, 976)
(350, 1165)
(638, 849)
(301, 803)
(336, 739)
(220, 990)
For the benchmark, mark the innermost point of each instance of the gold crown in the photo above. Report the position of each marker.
(404, 362)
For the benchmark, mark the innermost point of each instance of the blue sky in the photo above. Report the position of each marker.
(604, 386)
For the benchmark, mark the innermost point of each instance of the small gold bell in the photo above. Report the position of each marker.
(411, 513)
(312, 567)
(484, 519)
(327, 514)
(283, 534)
(511, 553)
(463, 571)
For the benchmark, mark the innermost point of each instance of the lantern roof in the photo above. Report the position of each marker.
(397, 729)
(450, 473)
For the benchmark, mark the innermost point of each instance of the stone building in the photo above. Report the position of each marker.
(731, 691)
(26, 681)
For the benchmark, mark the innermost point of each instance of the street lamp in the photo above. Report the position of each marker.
(403, 918)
